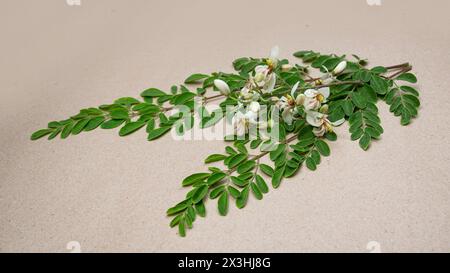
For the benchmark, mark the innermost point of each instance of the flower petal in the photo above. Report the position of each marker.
(254, 106)
(271, 83)
(222, 86)
(261, 69)
(325, 91)
(294, 88)
(274, 52)
(313, 118)
(287, 116)
(310, 93)
(337, 122)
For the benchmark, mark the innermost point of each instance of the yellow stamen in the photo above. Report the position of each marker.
(320, 97)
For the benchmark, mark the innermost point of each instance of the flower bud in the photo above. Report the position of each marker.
(259, 77)
(254, 106)
(286, 67)
(300, 99)
(222, 86)
(274, 99)
(340, 68)
(324, 109)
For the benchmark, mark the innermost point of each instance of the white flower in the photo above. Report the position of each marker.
(314, 98)
(340, 68)
(222, 86)
(287, 104)
(272, 61)
(321, 122)
(247, 95)
(254, 106)
(264, 79)
(242, 121)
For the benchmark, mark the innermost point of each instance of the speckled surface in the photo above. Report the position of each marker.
(110, 193)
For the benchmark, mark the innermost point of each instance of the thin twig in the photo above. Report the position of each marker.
(404, 70)
(257, 157)
(397, 66)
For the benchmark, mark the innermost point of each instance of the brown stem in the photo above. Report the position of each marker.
(403, 65)
(397, 66)
(336, 83)
(213, 97)
(404, 70)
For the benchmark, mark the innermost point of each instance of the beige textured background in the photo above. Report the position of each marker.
(111, 193)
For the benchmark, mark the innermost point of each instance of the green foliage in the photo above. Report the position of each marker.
(194, 78)
(365, 125)
(239, 173)
(404, 100)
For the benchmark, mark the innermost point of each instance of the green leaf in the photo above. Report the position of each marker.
(195, 78)
(407, 77)
(156, 133)
(119, 114)
(150, 125)
(379, 84)
(379, 70)
(40, 133)
(277, 177)
(112, 123)
(238, 181)
(241, 148)
(79, 126)
(256, 192)
(216, 192)
(131, 127)
(410, 90)
(348, 107)
(364, 141)
(222, 204)
(255, 143)
(266, 169)
(262, 185)
(331, 136)
(200, 193)
(302, 53)
(191, 213)
(236, 160)
(359, 100)
(152, 92)
(315, 155)
(191, 179)
(183, 98)
(55, 133)
(247, 166)
(126, 101)
(233, 192)
(181, 229)
(215, 177)
(53, 124)
(241, 201)
(200, 209)
(176, 220)
(215, 158)
(67, 130)
(94, 123)
(323, 147)
(277, 152)
(311, 164)
(178, 208)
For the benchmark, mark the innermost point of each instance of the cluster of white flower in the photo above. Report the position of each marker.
(263, 81)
